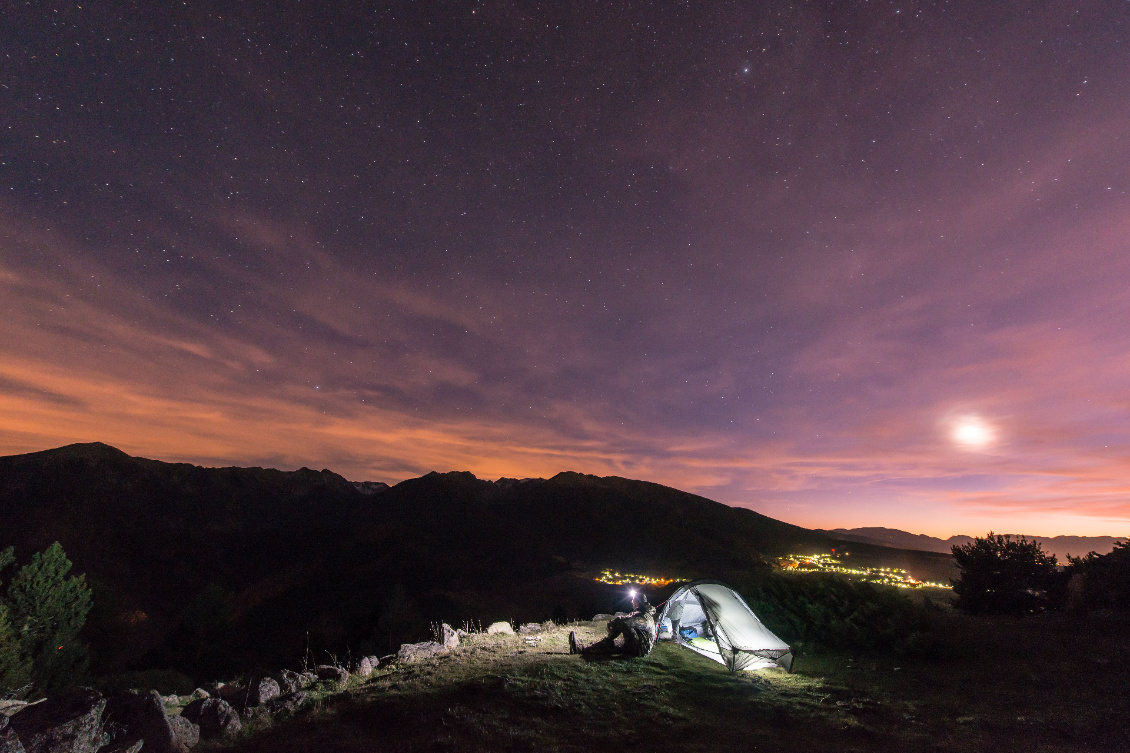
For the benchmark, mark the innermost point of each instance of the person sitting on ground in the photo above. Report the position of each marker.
(637, 629)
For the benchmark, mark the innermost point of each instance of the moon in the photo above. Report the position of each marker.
(972, 432)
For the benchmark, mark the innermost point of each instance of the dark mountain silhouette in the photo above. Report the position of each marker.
(1060, 546)
(203, 569)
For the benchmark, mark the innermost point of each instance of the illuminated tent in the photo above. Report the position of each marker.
(712, 619)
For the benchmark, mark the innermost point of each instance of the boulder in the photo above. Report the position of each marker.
(450, 636)
(307, 679)
(9, 740)
(10, 706)
(71, 722)
(214, 716)
(410, 652)
(185, 733)
(601, 617)
(529, 628)
(262, 690)
(287, 680)
(198, 693)
(232, 693)
(289, 703)
(134, 717)
(500, 628)
(364, 667)
(332, 673)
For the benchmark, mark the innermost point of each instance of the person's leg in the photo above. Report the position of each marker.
(643, 641)
(606, 645)
(603, 646)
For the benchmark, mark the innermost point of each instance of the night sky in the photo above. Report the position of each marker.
(844, 263)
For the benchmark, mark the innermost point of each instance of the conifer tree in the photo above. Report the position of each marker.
(44, 611)
(15, 668)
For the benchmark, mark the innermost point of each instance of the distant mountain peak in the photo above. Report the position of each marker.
(1060, 546)
(84, 450)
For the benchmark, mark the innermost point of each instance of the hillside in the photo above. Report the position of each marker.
(265, 563)
(1060, 546)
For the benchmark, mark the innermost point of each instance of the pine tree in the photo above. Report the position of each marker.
(15, 667)
(47, 610)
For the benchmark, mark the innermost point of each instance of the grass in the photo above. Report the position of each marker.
(1041, 684)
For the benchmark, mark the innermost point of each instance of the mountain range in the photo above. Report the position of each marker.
(1060, 546)
(205, 569)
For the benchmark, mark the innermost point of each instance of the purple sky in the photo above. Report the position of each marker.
(843, 263)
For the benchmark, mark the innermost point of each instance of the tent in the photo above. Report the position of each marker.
(711, 618)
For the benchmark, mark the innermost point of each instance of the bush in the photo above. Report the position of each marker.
(825, 611)
(1003, 575)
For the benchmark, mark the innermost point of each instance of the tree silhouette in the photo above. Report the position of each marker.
(1002, 575)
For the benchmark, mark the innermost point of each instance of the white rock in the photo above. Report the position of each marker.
(410, 652)
(500, 628)
(450, 637)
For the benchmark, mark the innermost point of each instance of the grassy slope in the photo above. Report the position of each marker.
(1043, 684)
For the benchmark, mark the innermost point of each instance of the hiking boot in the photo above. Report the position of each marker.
(573, 643)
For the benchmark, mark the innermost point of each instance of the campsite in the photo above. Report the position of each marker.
(757, 652)
(1017, 690)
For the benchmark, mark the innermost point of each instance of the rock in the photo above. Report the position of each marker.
(199, 693)
(500, 628)
(450, 637)
(262, 690)
(299, 680)
(185, 733)
(410, 652)
(214, 716)
(332, 673)
(289, 703)
(601, 617)
(9, 707)
(373, 661)
(232, 693)
(9, 740)
(171, 700)
(132, 717)
(71, 722)
(288, 681)
(529, 628)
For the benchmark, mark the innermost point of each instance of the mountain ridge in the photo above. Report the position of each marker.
(188, 562)
(1060, 546)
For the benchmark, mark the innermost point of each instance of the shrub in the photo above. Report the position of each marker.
(823, 611)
